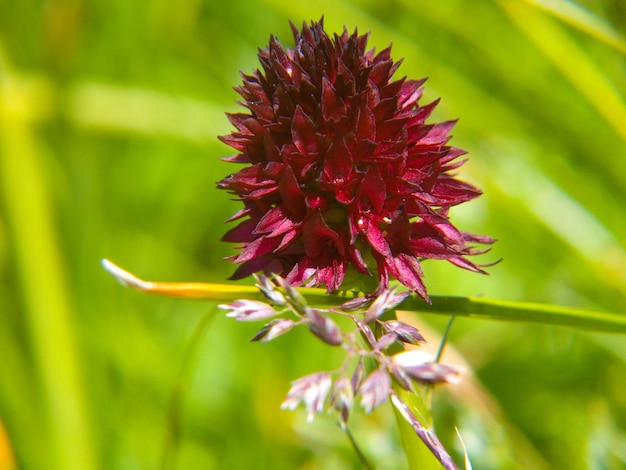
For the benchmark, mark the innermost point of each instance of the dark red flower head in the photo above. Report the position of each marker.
(342, 171)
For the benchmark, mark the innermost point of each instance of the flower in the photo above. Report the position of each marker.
(312, 390)
(343, 173)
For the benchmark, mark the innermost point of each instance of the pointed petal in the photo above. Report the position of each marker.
(406, 269)
(411, 92)
(372, 193)
(292, 196)
(338, 164)
(317, 234)
(303, 132)
(374, 235)
(333, 107)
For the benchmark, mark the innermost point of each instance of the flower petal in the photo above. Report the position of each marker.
(303, 132)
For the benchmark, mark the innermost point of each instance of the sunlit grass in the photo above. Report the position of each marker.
(109, 118)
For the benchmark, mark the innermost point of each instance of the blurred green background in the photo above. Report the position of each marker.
(109, 112)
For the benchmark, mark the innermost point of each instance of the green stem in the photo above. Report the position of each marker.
(471, 307)
(357, 450)
(444, 339)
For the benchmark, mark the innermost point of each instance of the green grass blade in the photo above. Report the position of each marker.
(574, 63)
(584, 20)
(521, 312)
(140, 111)
(39, 261)
(473, 307)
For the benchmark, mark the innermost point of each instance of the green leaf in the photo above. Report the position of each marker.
(472, 307)
(584, 20)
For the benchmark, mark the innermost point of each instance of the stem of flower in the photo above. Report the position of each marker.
(444, 339)
(357, 450)
(472, 307)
